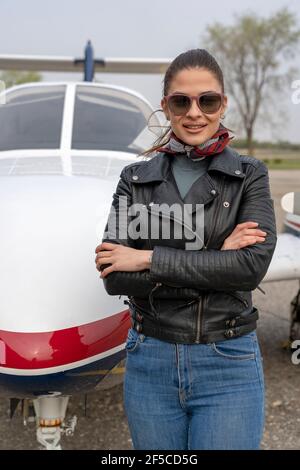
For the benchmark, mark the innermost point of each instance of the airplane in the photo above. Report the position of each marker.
(285, 264)
(62, 148)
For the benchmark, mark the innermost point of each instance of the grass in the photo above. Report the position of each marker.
(277, 159)
(284, 165)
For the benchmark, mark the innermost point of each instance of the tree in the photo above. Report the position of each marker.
(250, 53)
(13, 77)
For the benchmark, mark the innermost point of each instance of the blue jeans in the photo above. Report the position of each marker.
(194, 396)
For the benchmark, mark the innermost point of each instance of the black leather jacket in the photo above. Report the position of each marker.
(199, 295)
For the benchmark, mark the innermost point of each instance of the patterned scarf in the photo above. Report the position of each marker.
(215, 144)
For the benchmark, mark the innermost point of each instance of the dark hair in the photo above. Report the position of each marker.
(194, 58)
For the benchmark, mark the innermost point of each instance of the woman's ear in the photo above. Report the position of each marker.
(224, 105)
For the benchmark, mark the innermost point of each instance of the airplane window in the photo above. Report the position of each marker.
(32, 118)
(109, 119)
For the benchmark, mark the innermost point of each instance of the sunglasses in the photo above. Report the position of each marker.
(209, 102)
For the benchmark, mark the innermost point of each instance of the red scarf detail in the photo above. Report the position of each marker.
(215, 144)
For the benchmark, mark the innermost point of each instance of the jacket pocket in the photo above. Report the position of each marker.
(240, 298)
(226, 303)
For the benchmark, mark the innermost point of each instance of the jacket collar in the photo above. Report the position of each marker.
(157, 168)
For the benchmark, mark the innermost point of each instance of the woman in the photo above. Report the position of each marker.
(194, 377)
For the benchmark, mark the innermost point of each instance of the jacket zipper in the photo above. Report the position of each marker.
(205, 247)
(157, 285)
(201, 300)
(199, 318)
(200, 303)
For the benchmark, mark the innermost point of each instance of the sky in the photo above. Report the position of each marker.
(134, 28)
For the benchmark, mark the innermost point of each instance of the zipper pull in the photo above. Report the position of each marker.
(259, 288)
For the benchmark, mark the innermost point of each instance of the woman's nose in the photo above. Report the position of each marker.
(194, 109)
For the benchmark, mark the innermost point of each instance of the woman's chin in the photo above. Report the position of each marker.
(194, 139)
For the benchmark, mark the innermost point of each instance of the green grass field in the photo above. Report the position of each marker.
(277, 159)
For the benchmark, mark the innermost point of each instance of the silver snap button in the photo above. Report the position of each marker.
(237, 172)
(226, 204)
(213, 191)
(135, 177)
(229, 333)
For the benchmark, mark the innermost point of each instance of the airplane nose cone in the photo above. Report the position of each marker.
(50, 226)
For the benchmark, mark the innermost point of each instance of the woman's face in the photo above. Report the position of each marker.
(193, 82)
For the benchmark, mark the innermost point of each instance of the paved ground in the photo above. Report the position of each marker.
(105, 425)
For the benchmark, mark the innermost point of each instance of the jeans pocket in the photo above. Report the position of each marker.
(133, 340)
(241, 348)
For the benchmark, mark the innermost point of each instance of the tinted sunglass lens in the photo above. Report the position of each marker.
(179, 104)
(210, 103)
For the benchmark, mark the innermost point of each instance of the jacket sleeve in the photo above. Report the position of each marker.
(121, 282)
(137, 283)
(240, 269)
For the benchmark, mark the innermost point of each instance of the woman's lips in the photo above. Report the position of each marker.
(195, 130)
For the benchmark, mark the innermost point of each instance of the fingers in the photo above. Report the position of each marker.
(106, 271)
(106, 246)
(246, 225)
(249, 228)
(104, 252)
(250, 240)
(255, 232)
(101, 261)
(98, 265)
(244, 243)
(245, 233)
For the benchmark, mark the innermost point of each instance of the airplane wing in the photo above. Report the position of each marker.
(71, 64)
(285, 264)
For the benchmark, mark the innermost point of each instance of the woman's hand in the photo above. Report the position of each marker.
(121, 258)
(243, 235)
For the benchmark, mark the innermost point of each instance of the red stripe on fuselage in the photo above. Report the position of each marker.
(294, 223)
(56, 348)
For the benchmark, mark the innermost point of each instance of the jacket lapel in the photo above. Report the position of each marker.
(204, 189)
